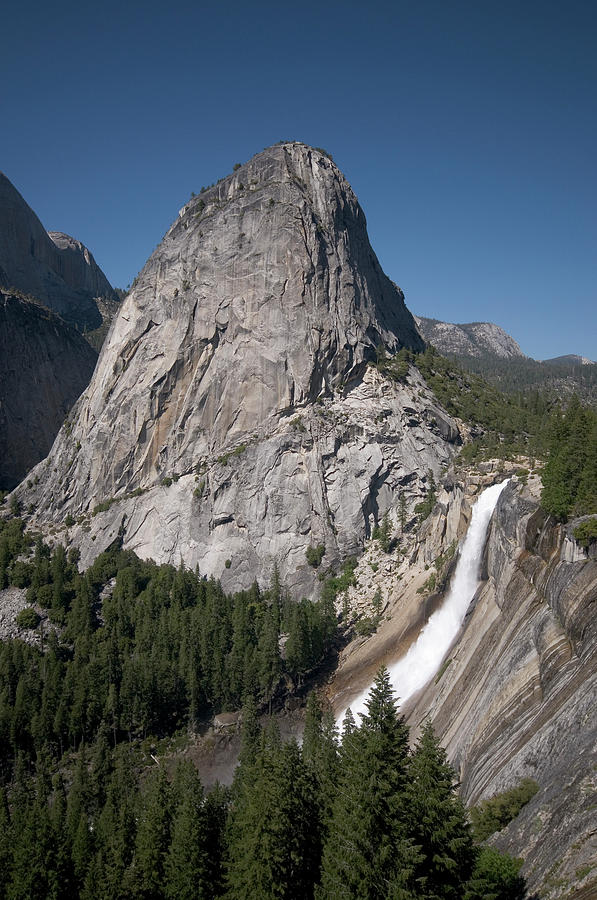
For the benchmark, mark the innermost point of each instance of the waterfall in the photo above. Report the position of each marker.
(418, 666)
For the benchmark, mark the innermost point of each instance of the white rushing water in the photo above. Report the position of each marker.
(414, 670)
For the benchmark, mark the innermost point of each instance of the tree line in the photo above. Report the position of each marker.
(361, 817)
(135, 649)
(570, 474)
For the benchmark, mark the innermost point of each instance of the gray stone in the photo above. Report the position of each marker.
(54, 268)
(234, 390)
(472, 339)
(45, 364)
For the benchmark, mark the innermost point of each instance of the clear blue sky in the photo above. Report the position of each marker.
(467, 129)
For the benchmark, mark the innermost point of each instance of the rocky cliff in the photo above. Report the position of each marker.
(472, 339)
(233, 419)
(518, 698)
(52, 267)
(514, 697)
(45, 364)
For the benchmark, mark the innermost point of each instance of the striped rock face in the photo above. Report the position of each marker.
(518, 698)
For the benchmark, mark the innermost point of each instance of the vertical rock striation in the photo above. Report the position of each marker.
(232, 396)
(514, 695)
(517, 699)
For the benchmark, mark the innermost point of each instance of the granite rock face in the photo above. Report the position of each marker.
(232, 414)
(45, 364)
(52, 267)
(514, 697)
(517, 699)
(473, 339)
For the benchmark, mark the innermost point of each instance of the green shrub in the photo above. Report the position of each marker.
(367, 625)
(69, 521)
(104, 506)
(494, 814)
(228, 563)
(383, 534)
(377, 601)
(429, 586)
(425, 508)
(445, 557)
(21, 573)
(314, 555)
(225, 457)
(442, 671)
(586, 532)
(335, 584)
(495, 876)
(394, 367)
(27, 618)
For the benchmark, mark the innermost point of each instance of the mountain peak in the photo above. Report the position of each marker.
(473, 339)
(233, 376)
(54, 268)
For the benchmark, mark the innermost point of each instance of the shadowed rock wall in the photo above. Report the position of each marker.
(44, 366)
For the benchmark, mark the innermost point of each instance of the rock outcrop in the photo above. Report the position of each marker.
(52, 267)
(514, 697)
(474, 339)
(45, 364)
(233, 418)
(518, 697)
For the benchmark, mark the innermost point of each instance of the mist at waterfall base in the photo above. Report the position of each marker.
(423, 659)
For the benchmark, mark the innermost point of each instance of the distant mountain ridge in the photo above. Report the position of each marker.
(571, 359)
(51, 290)
(51, 266)
(470, 339)
(488, 350)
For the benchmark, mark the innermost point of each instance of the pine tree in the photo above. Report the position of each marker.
(153, 837)
(61, 880)
(298, 645)
(270, 663)
(273, 845)
(114, 832)
(320, 752)
(385, 533)
(438, 821)
(33, 867)
(6, 841)
(402, 512)
(369, 853)
(250, 733)
(188, 866)
(217, 805)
